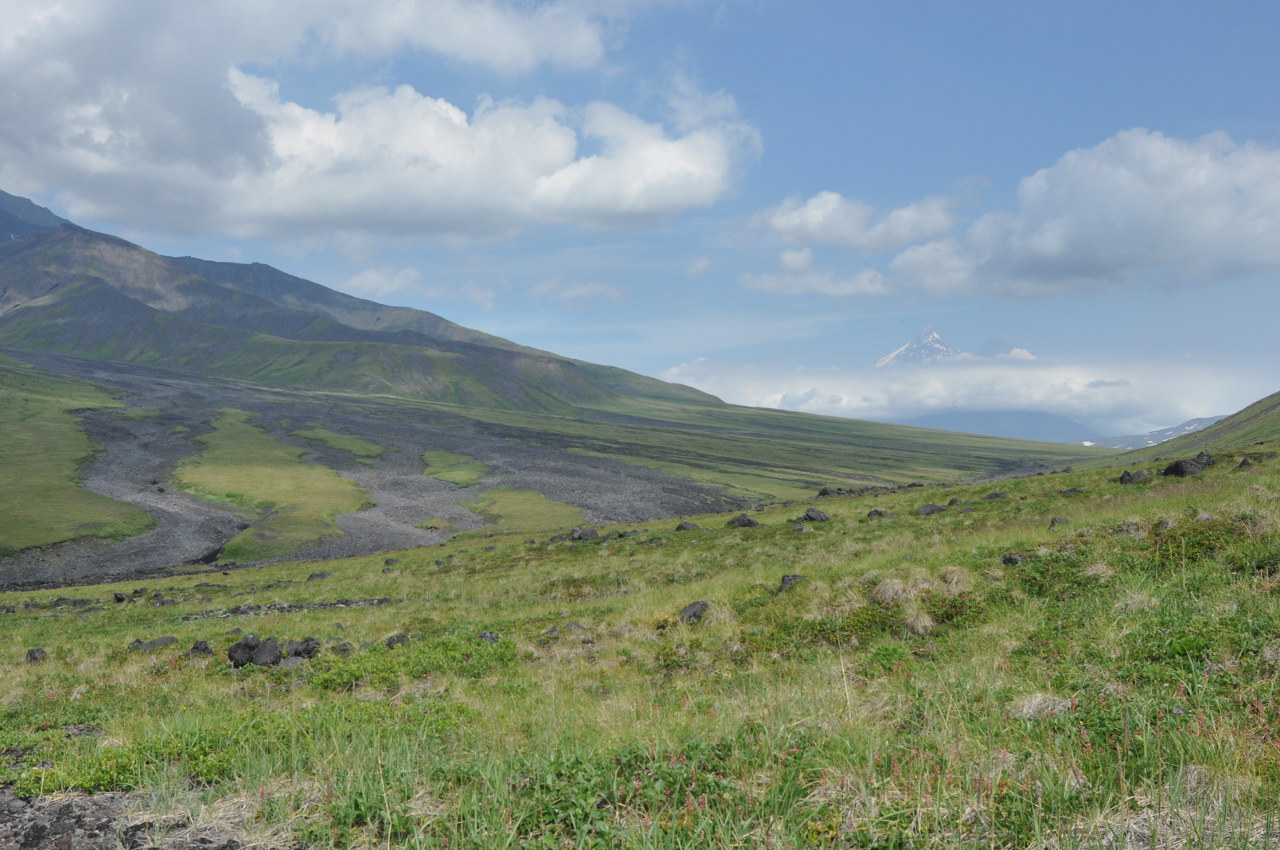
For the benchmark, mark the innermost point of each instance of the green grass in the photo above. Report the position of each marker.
(454, 469)
(522, 511)
(42, 446)
(774, 455)
(915, 689)
(344, 442)
(294, 502)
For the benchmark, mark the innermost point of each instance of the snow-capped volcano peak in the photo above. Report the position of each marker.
(924, 348)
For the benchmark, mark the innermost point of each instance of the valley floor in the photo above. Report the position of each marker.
(166, 412)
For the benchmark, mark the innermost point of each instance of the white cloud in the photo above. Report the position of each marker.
(381, 282)
(145, 114)
(698, 267)
(796, 276)
(1139, 207)
(504, 36)
(1138, 203)
(572, 294)
(829, 218)
(1149, 396)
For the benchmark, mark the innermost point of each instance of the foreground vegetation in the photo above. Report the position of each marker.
(1055, 661)
(293, 503)
(41, 448)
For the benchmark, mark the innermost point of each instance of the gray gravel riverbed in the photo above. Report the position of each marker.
(138, 455)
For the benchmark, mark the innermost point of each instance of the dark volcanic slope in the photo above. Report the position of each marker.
(137, 457)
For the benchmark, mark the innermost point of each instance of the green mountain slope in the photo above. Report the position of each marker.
(79, 292)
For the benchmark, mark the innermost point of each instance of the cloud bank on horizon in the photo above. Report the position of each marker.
(532, 167)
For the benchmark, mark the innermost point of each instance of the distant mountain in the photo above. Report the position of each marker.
(1013, 424)
(73, 291)
(20, 218)
(927, 347)
(1152, 438)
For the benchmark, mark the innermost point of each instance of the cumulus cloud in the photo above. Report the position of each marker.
(1139, 202)
(829, 218)
(1145, 399)
(169, 116)
(1136, 208)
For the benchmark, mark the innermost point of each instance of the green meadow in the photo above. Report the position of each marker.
(1056, 661)
(42, 444)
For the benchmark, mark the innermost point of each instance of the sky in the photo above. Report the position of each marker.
(759, 198)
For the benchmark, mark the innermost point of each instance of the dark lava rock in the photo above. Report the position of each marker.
(878, 514)
(36, 655)
(396, 640)
(391, 562)
(955, 501)
(584, 533)
(1133, 477)
(998, 494)
(1073, 491)
(1183, 468)
(120, 597)
(153, 644)
(267, 654)
(292, 662)
(688, 526)
(318, 576)
(692, 613)
(1011, 560)
(342, 649)
(488, 637)
(200, 649)
(1058, 520)
(742, 521)
(789, 580)
(815, 515)
(251, 650)
(305, 648)
(1245, 463)
(929, 510)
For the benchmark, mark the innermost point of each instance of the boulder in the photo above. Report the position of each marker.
(1245, 463)
(397, 639)
(36, 655)
(692, 613)
(251, 650)
(742, 521)
(267, 654)
(1058, 520)
(584, 533)
(815, 515)
(789, 580)
(929, 510)
(488, 637)
(153, 644)
(876, 513)
(688, 526)
(200, 649)
(1133, 477)
(1011, 560)
(998, 494)
(305, 648)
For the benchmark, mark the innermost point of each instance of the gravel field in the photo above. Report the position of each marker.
(137, 456)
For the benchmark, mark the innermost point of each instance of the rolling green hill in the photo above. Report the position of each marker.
(1064, 662)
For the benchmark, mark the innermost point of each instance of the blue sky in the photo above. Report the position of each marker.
(759, 198)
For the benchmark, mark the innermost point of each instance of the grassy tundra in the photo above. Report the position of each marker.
(1056, 661)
